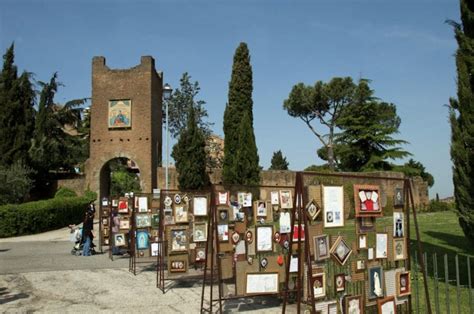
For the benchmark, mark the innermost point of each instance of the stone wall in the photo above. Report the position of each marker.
(76, 183)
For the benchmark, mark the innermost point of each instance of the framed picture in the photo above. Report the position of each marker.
(142, 204)
(200, 231)
(399, 249)
(142, 220)
(178, 264)
(142, 240)
(222, 198)
(403, 284)
(105, 221)
(105, 232)
(178, 239)
(398, 198)
(223, 233)
(105, 201)
(261, 283)
(115, 202)
(353, 304)
(275, 198)
(318, 282)
(105, 212)
(370, 253)
(285, 222)
(365, 224)
(381, 245)
(298, 233)
(223, 215)
(340, 251)
(312, 210)
(200, 254)
(200, 206)
(264, 238)
(244, 199)
(367, 201)
(123, 205)
(333, 205)
(321, 247)
(362, 243)
(154, 249)
(360, 265)
(340, 282)
(168, 216)
(398, 225)
(106, 241)
(120, 114)
(387, 305)
(119, 239)
(375, 282)
(286, 201)
(155, 221)
(124, 223)
(180, 214)
(260, 209)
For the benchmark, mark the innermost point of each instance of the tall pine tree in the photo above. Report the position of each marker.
(278, 161)
(246, 160)
(462, 120)
(190, 156)
(239, 104)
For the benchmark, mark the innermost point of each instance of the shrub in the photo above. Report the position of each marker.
(15, 183)
(437, 206)
(40, 216)
(65, 192)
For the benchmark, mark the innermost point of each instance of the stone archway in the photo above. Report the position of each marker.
(105, 178)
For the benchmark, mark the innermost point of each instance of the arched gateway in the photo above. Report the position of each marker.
(125, 122)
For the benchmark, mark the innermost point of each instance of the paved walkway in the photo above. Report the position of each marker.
(39, 274)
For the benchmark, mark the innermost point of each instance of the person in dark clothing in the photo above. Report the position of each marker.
(87, 228)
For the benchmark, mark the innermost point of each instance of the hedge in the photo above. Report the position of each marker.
(40, 216)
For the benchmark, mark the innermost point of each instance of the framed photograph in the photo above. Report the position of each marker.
(340, 282)
(244, 199)
(367, 201)
(222, 198)
(200, 254)
(398, 225)
(333, 205)
(286, 201)
(168, 216)
(106, 241)
(360, 265)
(362, 243)
(200, 206)
(105, 232)
(105, 212)
(223, 233)
(298, 233)
(318, 282)
(123, 205)
(387, 305)
(321, 247)
(142, 220)
(381, 245)
(155, 221)
(285, 222)
(105, 221)
(178, 264)
(105, 201)
(312, 210)
(398, 198)
(399, 249)
(142, 240)
(370, 253)
(180, 214)
(120, 114)
(260, 209)
(403, 283)
(353, 304)
(178, 239)
(223, 215)
(119, 239)
(261, 283)
(115, 202)
(340, 251)
(200, 231)
(275, 198)
(124, 223)
(264, 238)
(142, 204)
(365, 224)
(375, 282)
(154, 249)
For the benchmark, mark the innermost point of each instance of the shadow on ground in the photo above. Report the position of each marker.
(6, 296)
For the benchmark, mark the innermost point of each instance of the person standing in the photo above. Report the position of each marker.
(87, 228)
(115, 230)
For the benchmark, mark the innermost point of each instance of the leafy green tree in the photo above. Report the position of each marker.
(15, 183)
(462, 120)
(239, 103)
(414, 168)
(323, 104)
(16, 112)
(278, 161)
(181, 100)
(190, 156)
(246, 160)
(367, 125)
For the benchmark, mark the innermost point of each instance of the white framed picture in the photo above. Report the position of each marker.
(381, 245)
(274, 196)
(333, 204)
(398, 225)
(200, 206)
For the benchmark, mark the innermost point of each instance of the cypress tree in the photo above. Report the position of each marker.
(239, 102)
(278, 161)
(462, 120)
(190, 156)
(246, 160)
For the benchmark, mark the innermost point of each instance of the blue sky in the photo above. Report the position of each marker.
(404, 47)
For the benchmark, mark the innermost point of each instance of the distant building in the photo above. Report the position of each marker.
(215, 151)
